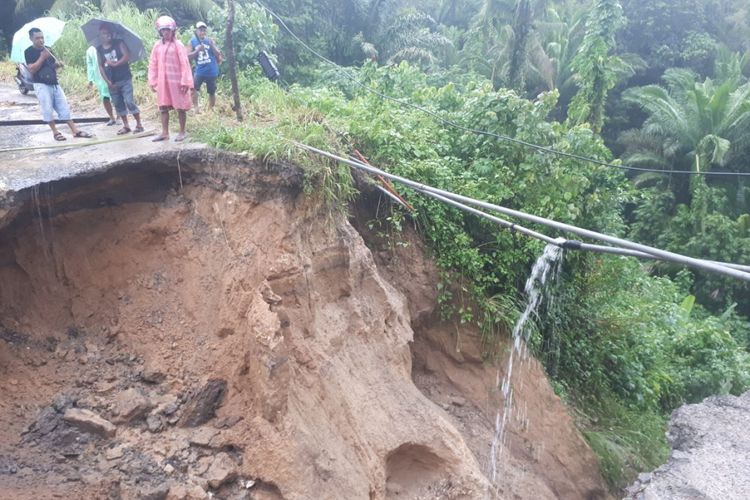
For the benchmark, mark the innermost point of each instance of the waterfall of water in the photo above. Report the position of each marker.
(36, 200)
(546, 266)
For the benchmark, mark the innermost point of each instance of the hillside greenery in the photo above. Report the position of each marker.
(653, 84)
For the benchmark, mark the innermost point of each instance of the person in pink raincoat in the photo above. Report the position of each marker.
(170, 76)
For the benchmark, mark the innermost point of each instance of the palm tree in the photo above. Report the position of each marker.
(691, 126)
(696, 123)
(518, 47)
(703, 126)
(413, 36)
(596, 69)
(525, 45)
(552, 47)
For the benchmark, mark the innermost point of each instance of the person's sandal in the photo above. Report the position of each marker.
(138, 129)
(160, 138)
(179, 138)
(59, 137)
(111, 122)
(83, 134)
(123, 131)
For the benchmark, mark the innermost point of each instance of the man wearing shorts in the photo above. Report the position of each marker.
(207, 59)
(43, 65)
(114, 66)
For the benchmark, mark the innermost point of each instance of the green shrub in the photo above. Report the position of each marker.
(253, 31)
(626, 441)
(273, 122)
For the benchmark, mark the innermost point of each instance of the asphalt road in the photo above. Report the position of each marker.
(30, 167)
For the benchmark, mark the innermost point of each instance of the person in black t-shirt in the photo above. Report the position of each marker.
(114, 65)
(43, 65)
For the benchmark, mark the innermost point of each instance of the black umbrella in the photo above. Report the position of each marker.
(119, 32)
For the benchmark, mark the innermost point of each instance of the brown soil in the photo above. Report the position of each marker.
(244, 342)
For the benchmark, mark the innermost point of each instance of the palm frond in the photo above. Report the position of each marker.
(413, 54)
(648, 179)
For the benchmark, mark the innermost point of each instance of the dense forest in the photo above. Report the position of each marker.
(661, 86)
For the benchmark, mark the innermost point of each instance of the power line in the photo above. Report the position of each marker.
(537, 147)
(612, 240)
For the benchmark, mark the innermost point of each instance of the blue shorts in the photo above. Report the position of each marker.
(122, 98)
(52, 98)
(210, 83)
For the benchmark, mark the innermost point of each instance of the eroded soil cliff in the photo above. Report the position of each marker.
(233, 337)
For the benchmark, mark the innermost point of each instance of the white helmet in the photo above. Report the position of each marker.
(166, 22)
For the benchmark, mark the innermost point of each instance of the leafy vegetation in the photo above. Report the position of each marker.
(593, 66)
(254, 31)
(653, 84)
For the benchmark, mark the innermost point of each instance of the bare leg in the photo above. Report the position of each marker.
(194, 97)
(108, 109)
(54, 129)
(165, 123)
(72, 126)
(138, 123)
(125, 125)
(182, 116)
(164, 117)
(211, 101)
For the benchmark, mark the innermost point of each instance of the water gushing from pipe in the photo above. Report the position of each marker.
(546, 266)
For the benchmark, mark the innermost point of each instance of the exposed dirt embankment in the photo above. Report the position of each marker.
(232, 337)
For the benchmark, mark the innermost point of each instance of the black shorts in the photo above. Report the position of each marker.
(210, 83)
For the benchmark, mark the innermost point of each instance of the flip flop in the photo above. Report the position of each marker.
(111, 122)
(138, 130)
(82, 133)
(123, 131)
(179, 138)
(159, 138)
(59, 137)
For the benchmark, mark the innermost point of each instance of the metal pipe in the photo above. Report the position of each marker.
(565, 243)
(665, 255)
(15, 123)
(391, 195)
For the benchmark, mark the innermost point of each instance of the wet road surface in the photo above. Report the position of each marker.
(27, 168)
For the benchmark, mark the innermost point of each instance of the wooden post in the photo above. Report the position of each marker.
(232, 60)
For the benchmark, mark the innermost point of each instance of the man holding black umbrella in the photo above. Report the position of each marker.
(114, 65)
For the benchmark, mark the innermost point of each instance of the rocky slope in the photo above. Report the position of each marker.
(232, 337)
(710, 453)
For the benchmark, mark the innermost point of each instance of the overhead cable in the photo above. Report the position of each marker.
(612, 240)
(451, 123)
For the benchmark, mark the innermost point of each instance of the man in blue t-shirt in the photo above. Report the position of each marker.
(207, 59)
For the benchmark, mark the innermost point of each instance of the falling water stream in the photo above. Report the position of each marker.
(36, 200)
(546, 268)
(42, 209)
